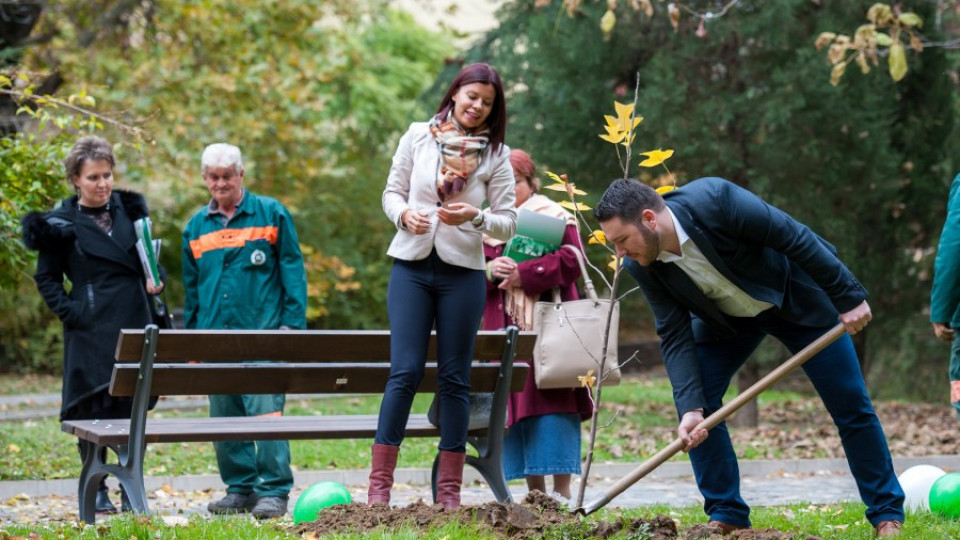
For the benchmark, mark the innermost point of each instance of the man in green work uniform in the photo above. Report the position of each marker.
(242, 269)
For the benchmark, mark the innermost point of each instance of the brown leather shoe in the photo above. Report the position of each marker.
(725, 528)
(889, 528)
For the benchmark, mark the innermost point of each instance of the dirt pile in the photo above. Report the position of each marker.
(535, 517)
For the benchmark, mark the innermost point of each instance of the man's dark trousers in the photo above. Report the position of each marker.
(835, 374)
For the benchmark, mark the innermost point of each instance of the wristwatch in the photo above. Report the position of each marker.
(478, 219)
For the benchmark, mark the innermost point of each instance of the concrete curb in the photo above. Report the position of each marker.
(421, 476)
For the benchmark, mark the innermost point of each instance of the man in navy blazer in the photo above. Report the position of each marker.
(722, 269)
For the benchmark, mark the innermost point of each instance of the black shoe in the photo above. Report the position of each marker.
(125, 505)
(104, 506)
(233, 503)
(269, 507)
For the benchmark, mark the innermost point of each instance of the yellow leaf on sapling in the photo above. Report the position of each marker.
(614, 138)
(624, 110)
(553, 176)
(556, 187)
(665, 189)
(571, 206)
(587, 380)
(614, 263)
(598, 237)
(655, 157)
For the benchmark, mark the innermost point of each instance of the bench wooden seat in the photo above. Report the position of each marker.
(172, 430)
(152, 362)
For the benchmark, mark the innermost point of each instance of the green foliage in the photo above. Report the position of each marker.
(31, 340)
(314, 93)
(864, 164)
(31, 178)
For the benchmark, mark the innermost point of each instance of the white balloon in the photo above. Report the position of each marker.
(916, 483)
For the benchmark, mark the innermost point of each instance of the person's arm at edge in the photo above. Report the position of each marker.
(945, 291)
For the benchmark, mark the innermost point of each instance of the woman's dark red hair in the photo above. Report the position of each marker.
(481, 73)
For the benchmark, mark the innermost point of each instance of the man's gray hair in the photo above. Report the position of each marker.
(221, 155)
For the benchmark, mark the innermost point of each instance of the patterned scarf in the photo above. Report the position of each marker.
(461, 154)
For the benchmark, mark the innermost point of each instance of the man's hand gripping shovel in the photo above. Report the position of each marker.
(709, 422)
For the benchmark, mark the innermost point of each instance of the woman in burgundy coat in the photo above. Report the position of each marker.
(544, 436)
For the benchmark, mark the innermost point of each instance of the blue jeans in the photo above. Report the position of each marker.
(835, 374)
(423, 294)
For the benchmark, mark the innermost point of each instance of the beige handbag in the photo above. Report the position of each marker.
(570, 337)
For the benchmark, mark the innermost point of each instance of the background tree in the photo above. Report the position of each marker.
(866, 163)
(315, 94)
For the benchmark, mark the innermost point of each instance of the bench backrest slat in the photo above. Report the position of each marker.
(293, 345)
(287, 378)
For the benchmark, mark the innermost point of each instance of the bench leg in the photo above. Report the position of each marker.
(492, 472)
(129, 473)
(130, 476)
(434, 476)
(91, 472)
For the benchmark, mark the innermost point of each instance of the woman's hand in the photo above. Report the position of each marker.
(416, 221)
(505, 270)
(457, 213)
(154, 290)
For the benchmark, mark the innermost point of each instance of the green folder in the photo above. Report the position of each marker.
(537, 235)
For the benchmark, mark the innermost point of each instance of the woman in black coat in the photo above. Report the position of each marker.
(90, 239)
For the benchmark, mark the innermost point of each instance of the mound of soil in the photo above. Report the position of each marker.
(537, 515)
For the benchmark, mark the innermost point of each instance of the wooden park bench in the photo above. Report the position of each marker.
(151, 362)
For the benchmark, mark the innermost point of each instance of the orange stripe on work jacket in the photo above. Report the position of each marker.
(231, 238)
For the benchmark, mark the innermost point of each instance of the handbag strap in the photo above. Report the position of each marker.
(587, 282)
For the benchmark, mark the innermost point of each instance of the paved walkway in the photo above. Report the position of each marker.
(764, 483)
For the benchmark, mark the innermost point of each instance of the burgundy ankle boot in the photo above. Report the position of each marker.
(449, 479)
(381, 474)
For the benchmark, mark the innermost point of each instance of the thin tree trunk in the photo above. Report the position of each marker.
(749, 415)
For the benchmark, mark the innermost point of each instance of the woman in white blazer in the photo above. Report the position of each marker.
(442, 173)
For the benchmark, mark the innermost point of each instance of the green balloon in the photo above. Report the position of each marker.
(317, 497)
(945, 496)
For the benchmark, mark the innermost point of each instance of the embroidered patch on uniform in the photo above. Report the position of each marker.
(258, 257)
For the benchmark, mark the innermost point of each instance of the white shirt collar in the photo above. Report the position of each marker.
(682, 238)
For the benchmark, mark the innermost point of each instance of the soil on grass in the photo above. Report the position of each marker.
(537, 516)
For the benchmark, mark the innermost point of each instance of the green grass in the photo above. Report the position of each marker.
(37, 449)
(29, 384)
(836, 521)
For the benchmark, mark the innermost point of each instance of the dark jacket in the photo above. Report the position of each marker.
(108, 286)
(760, 249)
